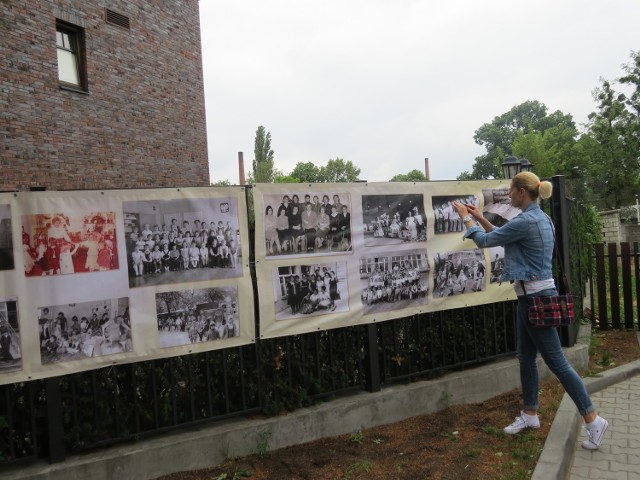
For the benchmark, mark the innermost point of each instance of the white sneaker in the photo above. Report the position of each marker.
(595, 432)
(522, 422)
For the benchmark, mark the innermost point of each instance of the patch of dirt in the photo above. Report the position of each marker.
(458, 443)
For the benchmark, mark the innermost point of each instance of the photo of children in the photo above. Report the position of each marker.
(182, 240)
(393, 219)
(446, 219)
(310, 290)
(394, 280)
(60, 244)
(10, 351)
(197, 316)
(459, 272)
(6, 239)
(84, 330)
(307, 223)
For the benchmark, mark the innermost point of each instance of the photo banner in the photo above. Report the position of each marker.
(336, 255)
(96, 278)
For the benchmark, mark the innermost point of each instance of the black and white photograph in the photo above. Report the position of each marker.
(393, 219)
(84, 330)
(446, 219)
(6, 238)
(182, 240)
(309, 290)
(497, 206)
(68, 243)
(496, 255)
(394, 280)
(10, 350)
(307, 223)
(455, 273)
(196, 316)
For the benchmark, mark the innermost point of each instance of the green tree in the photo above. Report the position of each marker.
(612, 151)
(414, 175)
(499, 136)
(263, 166)
(339, 171)
(221, 183)
(306, 172)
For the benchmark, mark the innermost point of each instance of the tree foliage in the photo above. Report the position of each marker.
(263, 166)
(335, 171)
(414, 175)
(499, 136)
(612, 153)
(306, 172)
(221, 183)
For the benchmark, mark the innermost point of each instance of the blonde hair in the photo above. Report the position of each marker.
(532, 184)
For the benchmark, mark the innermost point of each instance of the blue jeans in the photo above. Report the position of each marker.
(530, 341)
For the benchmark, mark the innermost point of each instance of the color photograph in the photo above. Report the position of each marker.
(68, 243)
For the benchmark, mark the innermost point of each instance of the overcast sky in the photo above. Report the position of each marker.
(387, 83)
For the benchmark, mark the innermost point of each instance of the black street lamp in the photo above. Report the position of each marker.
(511, 166)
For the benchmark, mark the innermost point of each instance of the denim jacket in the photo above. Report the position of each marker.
(528, 244)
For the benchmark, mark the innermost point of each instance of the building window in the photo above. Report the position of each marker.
(70, 43)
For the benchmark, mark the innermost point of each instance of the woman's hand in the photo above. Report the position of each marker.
(465, 209)
(461, 208)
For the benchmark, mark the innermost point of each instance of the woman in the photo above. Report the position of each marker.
(282, 226)
(270, 232)
(528, 242)
(295, 226)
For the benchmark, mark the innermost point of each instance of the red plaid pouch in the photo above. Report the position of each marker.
(551, 311)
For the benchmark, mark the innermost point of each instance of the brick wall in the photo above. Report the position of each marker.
(142, 122)
(611, 226)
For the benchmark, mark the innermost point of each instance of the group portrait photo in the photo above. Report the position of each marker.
(307, 223)
(84, 330)
(393, 219)
(394, 280)
(458, 272)
(6, 238)
(69, 242)
(446, 219)
(10, 349)
(310, 290)
(182, 240)
(187, 317)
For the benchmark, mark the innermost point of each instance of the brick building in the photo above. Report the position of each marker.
(98, 94)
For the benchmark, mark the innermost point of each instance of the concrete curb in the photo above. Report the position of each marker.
(556, 458)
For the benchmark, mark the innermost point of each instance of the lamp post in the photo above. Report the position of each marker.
(511, 166)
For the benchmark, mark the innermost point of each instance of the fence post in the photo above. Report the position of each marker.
(372, 359)
(55, 425)
(560, 213)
